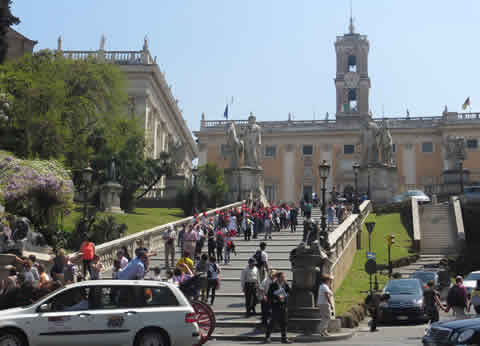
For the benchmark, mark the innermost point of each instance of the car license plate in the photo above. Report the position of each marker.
(402, 318)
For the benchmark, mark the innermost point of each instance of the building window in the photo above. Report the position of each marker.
(348, 149)
(307, 150)
(270, 151)
(394, 148)
(427, 147)
(270, 193)
(472, 143)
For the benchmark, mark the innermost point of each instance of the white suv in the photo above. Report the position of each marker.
(104, 312)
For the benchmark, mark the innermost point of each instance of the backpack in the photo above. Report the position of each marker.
(455, 297)
(258, 258)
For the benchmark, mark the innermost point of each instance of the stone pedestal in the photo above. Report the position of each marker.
(303, 315)
(110, 197)
(451, 180)
(384, 183)
(173, 184)
(243, 181)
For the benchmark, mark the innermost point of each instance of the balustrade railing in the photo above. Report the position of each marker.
(151, 237)
(118, 57)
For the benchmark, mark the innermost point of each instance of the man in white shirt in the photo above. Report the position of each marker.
(249, 281)
(325, 303)
(123, 260)
(169, 237)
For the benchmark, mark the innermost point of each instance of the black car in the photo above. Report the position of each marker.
(404, 301)
(456, 332)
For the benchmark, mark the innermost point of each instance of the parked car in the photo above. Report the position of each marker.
(454, 332)
(404, 301)
(426, 276)
(104, 312)
(471, 193)
(418, 194)
(470, 281)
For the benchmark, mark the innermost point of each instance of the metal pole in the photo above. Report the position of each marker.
(324, 217)
(389, 262)
(369, 242)
(355, 200)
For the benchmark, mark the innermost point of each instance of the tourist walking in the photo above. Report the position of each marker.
(325, 303)
(261, 259)
(185, 261)
(220, 242)
(277, 296)
(431, 302)
(169, 237)
(457, 298)
(211, 242)
(135, 270)
(88, 252)
(213, 277)
(190, 238)
(202, 269)
(268, 225)
(249, 282)
(293, 219)
(264, 286)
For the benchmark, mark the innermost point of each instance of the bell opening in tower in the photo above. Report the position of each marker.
(352, 63)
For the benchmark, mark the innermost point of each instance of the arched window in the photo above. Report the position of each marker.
(352, 63)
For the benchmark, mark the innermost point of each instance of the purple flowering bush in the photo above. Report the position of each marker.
(37, 189)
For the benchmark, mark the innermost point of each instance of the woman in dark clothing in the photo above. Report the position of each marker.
(431, 302)
(58, 267)
(277, 297)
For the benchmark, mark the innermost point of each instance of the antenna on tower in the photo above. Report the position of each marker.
(351, 27)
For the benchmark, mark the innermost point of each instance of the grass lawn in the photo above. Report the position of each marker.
(357, 279)
(140, 220)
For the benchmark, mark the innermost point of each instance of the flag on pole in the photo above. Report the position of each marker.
(225, 114)
(466, 103)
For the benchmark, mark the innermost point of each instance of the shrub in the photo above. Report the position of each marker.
(40, 190)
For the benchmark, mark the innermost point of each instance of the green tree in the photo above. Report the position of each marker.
(7, 19)
(212, 181)
(60, 108)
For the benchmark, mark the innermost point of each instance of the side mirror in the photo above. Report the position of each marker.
(44, 308)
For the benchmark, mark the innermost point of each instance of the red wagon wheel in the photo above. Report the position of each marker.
(205, 319)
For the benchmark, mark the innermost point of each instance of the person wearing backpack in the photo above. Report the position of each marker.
(457, 298)
(261, 258)
(213, 278)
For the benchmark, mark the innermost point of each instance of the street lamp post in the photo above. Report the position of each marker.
(87, 174)
(324, 170)
(356, 168)
(195, 189)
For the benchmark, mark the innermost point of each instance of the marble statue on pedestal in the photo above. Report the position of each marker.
(252, 141)
(369, 139)
(236, 145)
(385, 144)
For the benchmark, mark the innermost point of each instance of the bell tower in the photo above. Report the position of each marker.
(351, 81)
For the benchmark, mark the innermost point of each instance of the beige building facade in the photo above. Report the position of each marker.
(293, 149)
(151, 99)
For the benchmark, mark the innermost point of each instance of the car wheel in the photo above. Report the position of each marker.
(9, 338)
(150, 338)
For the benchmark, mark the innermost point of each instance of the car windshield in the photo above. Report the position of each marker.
(472, 189)
(415, 193)
(424, 276)
(473, 277)
(403, 287)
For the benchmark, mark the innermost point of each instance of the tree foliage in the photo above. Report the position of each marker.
(7, 19)
(60, 108)
(208, 192)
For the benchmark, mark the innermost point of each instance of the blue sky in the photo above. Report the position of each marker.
(277, 56)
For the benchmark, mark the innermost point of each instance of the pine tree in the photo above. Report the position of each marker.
(6, 20)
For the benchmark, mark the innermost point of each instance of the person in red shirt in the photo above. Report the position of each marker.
(88, 253)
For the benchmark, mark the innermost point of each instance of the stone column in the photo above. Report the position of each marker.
(409, 169)
(288, 177)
